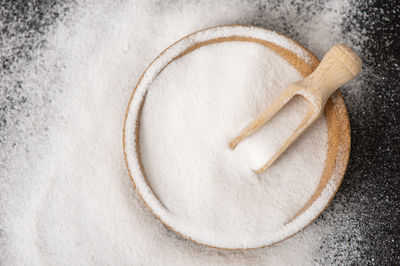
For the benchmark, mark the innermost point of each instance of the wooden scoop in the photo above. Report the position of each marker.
(339, 65)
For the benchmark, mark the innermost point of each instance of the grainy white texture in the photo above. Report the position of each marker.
(195, 106)
(66, 197)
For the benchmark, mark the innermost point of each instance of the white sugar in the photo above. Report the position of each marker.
(65, 194)
(192, 110)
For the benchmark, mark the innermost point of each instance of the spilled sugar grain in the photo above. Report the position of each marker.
(65, 194)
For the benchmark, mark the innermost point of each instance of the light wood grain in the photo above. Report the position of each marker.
(335, 113)
(339, 65)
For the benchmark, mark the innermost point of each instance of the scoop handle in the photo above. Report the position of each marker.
(339, 65)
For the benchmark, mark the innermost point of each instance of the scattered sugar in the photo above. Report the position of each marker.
(65, 196)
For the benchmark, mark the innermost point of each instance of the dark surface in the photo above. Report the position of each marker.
(371, 187)
(372, 181)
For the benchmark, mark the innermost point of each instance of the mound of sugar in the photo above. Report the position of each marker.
(193, 108)
(65, 195)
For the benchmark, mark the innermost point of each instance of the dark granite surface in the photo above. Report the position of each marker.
(371, 188)
(372, 181)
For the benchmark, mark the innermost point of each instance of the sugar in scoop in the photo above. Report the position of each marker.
(339, 65)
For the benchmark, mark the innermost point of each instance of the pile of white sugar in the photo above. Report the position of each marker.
(65, 193)
(195, 106)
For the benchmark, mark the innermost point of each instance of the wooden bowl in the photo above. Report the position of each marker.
(305, 62)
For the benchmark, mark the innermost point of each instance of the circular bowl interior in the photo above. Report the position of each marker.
(335, 114)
